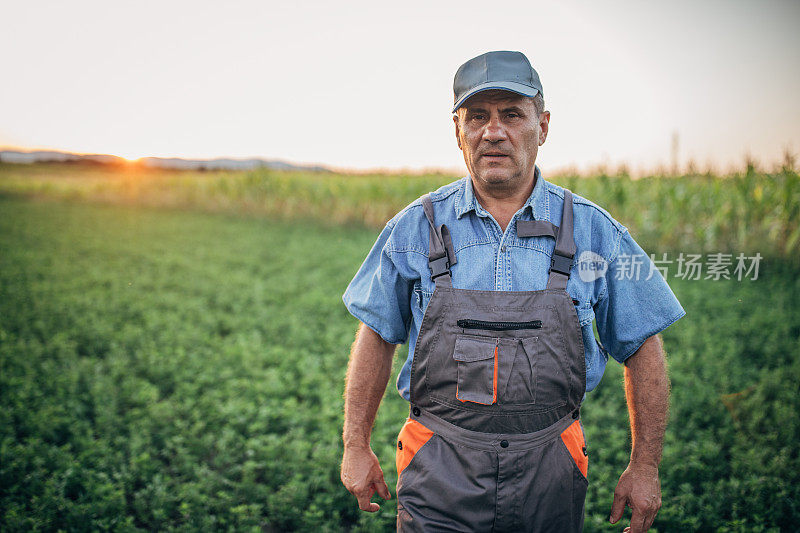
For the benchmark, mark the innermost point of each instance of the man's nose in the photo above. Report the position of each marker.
(494, 131)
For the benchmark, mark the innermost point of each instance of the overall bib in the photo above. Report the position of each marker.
(493, 441)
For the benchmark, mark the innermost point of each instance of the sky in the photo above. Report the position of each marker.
(368, 84)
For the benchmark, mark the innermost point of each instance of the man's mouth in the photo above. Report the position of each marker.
(494, 155)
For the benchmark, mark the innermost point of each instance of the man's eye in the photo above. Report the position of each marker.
(513, 115)
(478, 117)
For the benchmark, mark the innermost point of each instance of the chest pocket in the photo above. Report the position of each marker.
(507, 371)
(421, 297)
(476, 359)
(526, 367)
(519, 366)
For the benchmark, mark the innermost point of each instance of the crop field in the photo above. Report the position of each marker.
(172, 354)
(744, 212)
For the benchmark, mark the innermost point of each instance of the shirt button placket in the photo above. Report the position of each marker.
(498, 274)
(508, 270)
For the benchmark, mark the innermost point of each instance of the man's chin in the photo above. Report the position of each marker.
(494, 177)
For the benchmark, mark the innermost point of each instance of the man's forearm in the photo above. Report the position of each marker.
(367, 375)
(647, 393)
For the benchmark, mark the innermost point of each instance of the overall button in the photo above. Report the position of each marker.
(415, 410)
(504, 444)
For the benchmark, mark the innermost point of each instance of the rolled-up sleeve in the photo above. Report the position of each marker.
(637, 302)
(378, 295)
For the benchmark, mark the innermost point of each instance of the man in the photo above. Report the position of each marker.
(495, 280)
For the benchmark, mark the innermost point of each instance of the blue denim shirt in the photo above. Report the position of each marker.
(629, 299)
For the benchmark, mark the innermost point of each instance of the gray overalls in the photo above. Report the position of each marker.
(493, 441)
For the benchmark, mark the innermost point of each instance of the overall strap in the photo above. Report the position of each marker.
(440, 250)
(564, 251)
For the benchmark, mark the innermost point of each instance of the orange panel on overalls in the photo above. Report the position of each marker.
(493, 441)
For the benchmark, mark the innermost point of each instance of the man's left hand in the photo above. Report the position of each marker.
(640, 488)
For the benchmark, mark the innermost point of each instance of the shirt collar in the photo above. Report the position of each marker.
(466, 201)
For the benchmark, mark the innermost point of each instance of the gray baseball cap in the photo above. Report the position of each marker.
(509, 71)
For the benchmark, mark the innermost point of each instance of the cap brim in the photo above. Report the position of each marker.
(514, 87)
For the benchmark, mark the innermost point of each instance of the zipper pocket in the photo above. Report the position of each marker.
(497, 326)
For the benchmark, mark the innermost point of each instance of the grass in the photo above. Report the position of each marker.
(166, 369)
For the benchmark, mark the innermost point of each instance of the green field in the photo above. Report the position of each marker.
(745, 212)
(176, 361)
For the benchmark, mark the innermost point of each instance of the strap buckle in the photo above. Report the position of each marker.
(561, 263)
(439, 267)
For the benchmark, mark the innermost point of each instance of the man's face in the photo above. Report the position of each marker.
(500, 133)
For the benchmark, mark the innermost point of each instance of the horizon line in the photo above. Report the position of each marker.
(788, 160)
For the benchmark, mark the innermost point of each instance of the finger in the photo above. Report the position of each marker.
(379, 485)
(617, 508)
(649, 519)
(638, 519)
(363, 501)
(382, 489)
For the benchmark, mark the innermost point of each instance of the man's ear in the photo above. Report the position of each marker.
(458, 131)
(544, 126)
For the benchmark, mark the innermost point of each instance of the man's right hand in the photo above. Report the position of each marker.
(362, 476)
